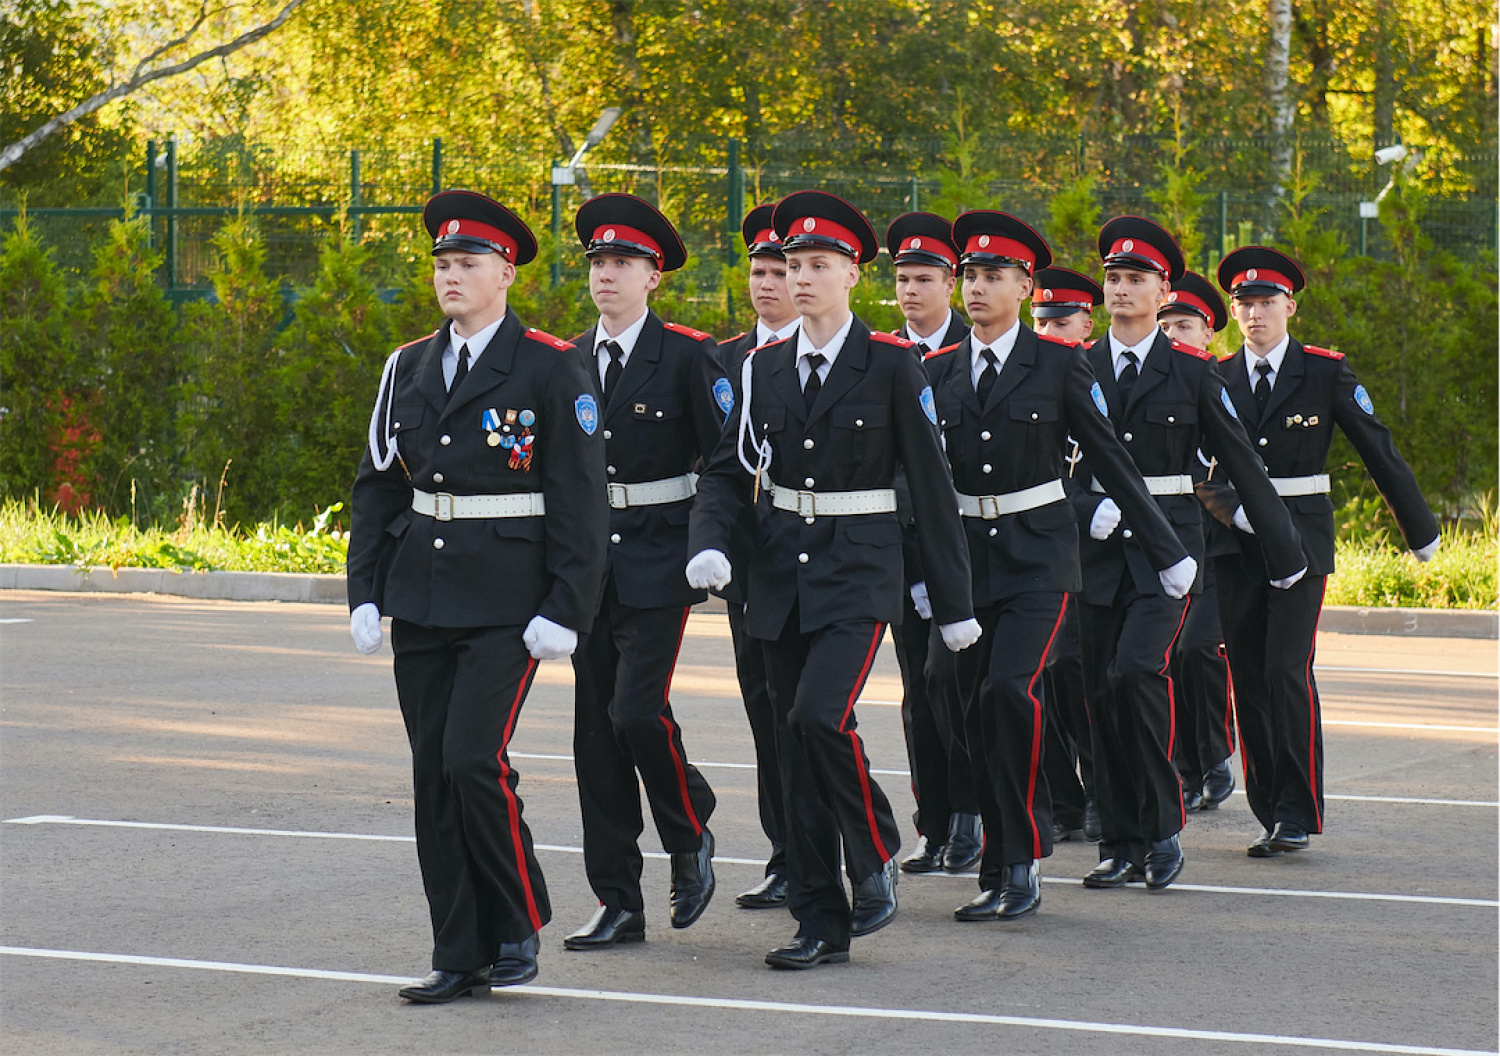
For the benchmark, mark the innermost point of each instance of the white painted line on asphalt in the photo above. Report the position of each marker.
(1411, 726)
(780, 1007)
(558, 848)
(1404, 671)
(15, 619)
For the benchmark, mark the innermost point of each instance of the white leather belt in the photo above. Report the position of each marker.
(1317, 484)
(653, 492)
(989, 507)
(832, 503)
(445, 507)
(1170, 484)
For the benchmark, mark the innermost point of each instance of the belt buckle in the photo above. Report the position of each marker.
(807, 504)
(443, 506)
(989, 507)
(618, 497)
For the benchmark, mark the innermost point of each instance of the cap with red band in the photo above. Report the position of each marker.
(607, 235)
(1142, 245)
(1193, 293)
(1262, 270)
(922, 238)
(816, 219)
(1062, 291)
(627, 226)
(469, 222)
(1000, 240)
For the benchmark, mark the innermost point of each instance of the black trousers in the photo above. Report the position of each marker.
(931, 716)
(623, 725)
(1068, 758)
(831, 798)
(461, 693)
(755, 690)
(1200, 674)
(1130, 699)
(1270, 636)
(1005, 724)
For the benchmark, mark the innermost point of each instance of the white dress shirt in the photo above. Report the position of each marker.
(935, 341)
(627, 339)
(764, 335)
(829, 352)
(477, 344)
(1002, 348)
(1273, 357)
(1118, 348)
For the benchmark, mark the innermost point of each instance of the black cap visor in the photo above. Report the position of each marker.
(1057, 311)
(921, 256)
(621, 248)
(465, 244)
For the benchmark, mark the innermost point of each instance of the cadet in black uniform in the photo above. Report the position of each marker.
(825, 419)
(1166, 403)
(479, 521)
(1291, 396)
(1192, 313)
(947, 818)
(1007, 402)
(775, 319)
(663, 398)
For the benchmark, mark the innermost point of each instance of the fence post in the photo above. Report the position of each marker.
(734, 207)
(556, 229)
(1223, 222)
(150, 209)
(356, 195)
(915, 193)
(437, 164)
(172, 212)
(1082, 153)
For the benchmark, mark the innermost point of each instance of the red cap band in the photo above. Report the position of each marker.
(483, 232)
(1275, 278)
(621, 233)
(768, 235)
(927, 244)
(1184, 299)
(1059, 296)
(1000, 246)
(824, 228)
(1137, 248)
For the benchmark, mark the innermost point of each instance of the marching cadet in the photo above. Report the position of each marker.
(775, 320)
(479, 520)
(947, 817)
(1166, 403)
(1062, 307)
(824, 420)
(1006, 402)
(1291, 396)
(1192, 313)
(663, 398)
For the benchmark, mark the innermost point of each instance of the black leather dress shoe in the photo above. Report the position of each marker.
(1192, 798)
(1092, 830)
(1163, 862)
(807, 952)
(1218, 785)
(874, 901)
(927, 858)
(516, 963)
(965, 843)
(1062, 832)
(1019, 897)
(692, 882)
(440, 987)
(1289, 837)
(1262, 848)
(768, 894)
(1113, 872)
(610, 927)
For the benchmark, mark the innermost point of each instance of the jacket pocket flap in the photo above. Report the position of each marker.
(874, 533)
(1172, 414)
(871, 416)
(1033, 410)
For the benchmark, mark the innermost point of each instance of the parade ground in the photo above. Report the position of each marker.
(206, 847)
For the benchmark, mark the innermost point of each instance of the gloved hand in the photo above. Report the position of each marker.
(959, 636)
(709, 568)
(1242, 522)
(1290, 581)
(1178, 579)
(1425, 553)
(546, 640)
(1106, 520)
(364, 627)
(920, 599)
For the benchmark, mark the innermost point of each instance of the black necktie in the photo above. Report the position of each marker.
(986, 376)
(1262, 386)
(921, 348)
(814, 383)
(613, 368)
(1128, 375)
(463, 369)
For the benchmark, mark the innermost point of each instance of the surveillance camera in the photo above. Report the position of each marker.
(1386, 155)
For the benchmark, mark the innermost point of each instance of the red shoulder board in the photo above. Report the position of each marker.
(1196, 353)
(687, 331)
(731, 340)
(1060, 341)
(941, 351)
(889, 339)
(547, 339)
(1326, 353)
(418, 341)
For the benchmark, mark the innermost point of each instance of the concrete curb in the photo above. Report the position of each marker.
(291, 586)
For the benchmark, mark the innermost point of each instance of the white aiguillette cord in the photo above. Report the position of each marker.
(762, 448)
(385, 397)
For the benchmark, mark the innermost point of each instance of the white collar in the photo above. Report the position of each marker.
(764, 335)
(1002, 348)
(626, 340)
(477, 343)
(830, 351)
(935, 340)
(1273, 357)
(1118, 349)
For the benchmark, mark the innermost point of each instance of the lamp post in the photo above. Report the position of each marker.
(566, 176)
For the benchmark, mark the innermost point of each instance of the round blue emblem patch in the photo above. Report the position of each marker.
(527, 417)
(929, 405)
(1099, 401)
(1362, 398)
(586, 409)
(1228, 403)
(724, 395)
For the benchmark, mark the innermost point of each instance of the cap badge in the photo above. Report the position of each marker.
(809, 224)
(609, 234)
(1172, 296)
(1128, 245)
(984, 240)
(916, 243)
(774, 237)
(1251, 273)
(1046, 295)
(452, 227)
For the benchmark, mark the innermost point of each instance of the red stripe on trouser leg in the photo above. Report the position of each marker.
(673, 733)
(861, 764)
(1223, 654)
(1037, 721)
(1312, 718)
(1166, 671)
(514, 805)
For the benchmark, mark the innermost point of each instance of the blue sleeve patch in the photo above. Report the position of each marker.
(1228, 404)
(1099, 401)
(1362, 398)
(929, 405)
(724, 396)
(586, 409)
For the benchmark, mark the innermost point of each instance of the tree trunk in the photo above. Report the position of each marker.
(1385, 77)
(1279, 91)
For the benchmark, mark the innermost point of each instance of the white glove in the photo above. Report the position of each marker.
(1425, 553)
(1178, 579)
(709, 568)
(920, 599)
(364, 627)
(1290, 581)
(546, 640)
(1106, 520)
(959, 636)
(1242, 522)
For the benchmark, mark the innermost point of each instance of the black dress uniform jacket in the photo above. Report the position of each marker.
(486, 572)
(1314, 391)
(663, 421)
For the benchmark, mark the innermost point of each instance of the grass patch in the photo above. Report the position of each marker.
(1374, 573)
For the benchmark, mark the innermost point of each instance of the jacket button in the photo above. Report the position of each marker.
(807, 445)
(395, 425)
(1127, 533)
(1128, 437)
(610, 470)
(437, 478)
(1263, 441)
(445, 439)
(1171, 419)
(615, 538)
(859, 423)
(807, 482)
(984, 435)
(437, 544)
(986, 468)
(608, 435)
(994, 532)
(810, 520)
(802, 559)
(658, 414)
(1034, 416)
